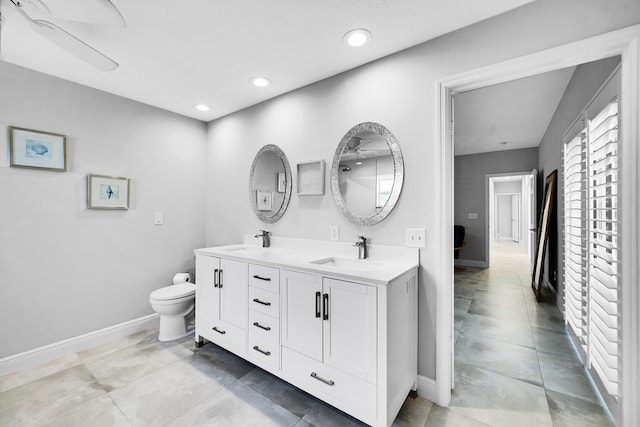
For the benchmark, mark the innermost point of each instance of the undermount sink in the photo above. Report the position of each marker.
(348, 263)
(245, 250)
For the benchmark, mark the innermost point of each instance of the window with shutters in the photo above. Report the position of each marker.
(590, 241)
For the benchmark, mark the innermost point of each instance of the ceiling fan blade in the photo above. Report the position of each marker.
(74, 45)
(97, 12)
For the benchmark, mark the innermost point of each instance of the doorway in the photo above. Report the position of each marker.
(624, 42)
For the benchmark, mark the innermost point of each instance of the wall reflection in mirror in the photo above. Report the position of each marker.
(270, 183)
(367, 173)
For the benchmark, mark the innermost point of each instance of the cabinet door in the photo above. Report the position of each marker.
(234, 292)
(350, 332)
(207, 294)
(301, 326)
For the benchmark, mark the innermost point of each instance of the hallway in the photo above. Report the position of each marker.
(514, 362)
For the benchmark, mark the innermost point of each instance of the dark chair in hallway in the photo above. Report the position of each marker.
(458, 240)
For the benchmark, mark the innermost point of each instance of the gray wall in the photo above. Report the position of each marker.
(586, 80)
(65, 270)
(398, 92)
(470, 192)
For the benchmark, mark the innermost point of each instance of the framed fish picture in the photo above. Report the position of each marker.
(107, 192)
(39, 150)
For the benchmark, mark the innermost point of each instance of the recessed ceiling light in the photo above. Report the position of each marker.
(260, 81)
(201, 107)
(357, 38)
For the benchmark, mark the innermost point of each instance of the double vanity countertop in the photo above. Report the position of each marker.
(332, 259)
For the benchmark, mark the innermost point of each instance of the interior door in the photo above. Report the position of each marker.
(533, 217)
(515, 217)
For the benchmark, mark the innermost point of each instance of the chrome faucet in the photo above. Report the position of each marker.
(266, 240)
(362, 247)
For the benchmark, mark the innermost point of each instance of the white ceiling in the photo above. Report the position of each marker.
(174, 54)
(516, 112)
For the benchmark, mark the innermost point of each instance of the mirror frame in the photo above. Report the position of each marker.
(398, 173)
(271, 148)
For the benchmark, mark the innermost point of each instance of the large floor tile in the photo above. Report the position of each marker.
(284, 394)
(324, 415)
(513, 333)
(237, 406)
(566, 376)
(568, 411)
(121, 366)
(444, 417)
(143, 338)
(39, 401)
(100, 412)
(498, 400)
(555, 342)
(224, 360)
(500, 357)
(414, 413)
(166, 394)
(504, 312)
(25, 376)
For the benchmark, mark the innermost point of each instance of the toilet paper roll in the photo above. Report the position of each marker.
(181, 278)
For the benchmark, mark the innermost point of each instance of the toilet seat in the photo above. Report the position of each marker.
(173, 292)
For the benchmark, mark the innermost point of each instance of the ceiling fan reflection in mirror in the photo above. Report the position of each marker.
(96, 12)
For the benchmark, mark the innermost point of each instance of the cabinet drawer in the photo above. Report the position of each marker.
(264, 326)
(226, 335)
(264, 302)
(264, 351)
(267, 278)
(330, 382)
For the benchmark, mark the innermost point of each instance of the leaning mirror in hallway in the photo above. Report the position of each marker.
(270, 183)
(367, 173)
(543, 232)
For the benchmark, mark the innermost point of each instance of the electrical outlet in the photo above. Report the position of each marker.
(334, 233)
(158, 218)
(416, 238)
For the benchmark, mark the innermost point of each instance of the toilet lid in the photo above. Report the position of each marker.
(174, 291)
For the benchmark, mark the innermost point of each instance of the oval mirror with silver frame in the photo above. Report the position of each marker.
(367, 173)
(270, 183)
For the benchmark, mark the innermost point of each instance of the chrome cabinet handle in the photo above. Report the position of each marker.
(258, 349)
(267, 279)
(266, 328)
(215, 328)
(261, 302)
(220, 278)
(327, 382)
(215, 278)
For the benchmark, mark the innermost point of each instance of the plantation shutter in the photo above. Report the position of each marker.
(603, 242)
(590, 239)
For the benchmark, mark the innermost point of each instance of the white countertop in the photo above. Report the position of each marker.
(383, 264)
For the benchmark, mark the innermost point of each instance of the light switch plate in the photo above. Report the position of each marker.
(473, 215)
(158, 218)
(416, 238)
(334, 233)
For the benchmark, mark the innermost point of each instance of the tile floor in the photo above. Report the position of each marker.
(514, 367)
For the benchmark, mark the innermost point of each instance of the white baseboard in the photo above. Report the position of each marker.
(427, 388)
(469, 263)
(53, 351)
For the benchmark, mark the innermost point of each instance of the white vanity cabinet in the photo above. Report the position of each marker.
(221, 302)
(347, 336)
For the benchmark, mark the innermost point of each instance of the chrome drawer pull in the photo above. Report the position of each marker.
(266, 328)
(266, 353)
(219, 331)
(261, 302)
(315, 376)
(267, 279)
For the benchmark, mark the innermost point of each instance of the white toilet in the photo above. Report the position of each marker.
(173, 303)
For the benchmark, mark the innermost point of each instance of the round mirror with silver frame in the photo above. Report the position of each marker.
(367, 173)
(270, 183)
